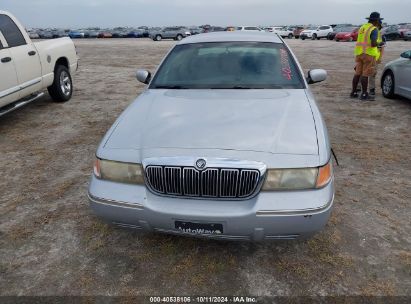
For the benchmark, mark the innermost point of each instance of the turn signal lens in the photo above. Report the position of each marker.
(324, 175)
(97, 168)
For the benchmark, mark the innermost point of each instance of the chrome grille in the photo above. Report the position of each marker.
(221, 183)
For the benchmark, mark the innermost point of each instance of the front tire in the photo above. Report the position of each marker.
(314, 37)
(179, 37)
(302, 38)
(158, 38)
(62, 88)
(388, 85)
(290, 36)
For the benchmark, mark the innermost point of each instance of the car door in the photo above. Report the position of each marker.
(9, 87)
(25, 58)
(403, 76)
(167, 32)
(322, 31)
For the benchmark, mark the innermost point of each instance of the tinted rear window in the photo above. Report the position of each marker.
(11, 32)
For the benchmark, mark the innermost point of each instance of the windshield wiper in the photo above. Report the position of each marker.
(232, 88)
(171, 87)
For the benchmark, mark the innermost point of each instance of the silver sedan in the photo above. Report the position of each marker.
(396, 77)
(225, 142)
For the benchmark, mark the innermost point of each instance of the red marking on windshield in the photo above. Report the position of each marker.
(285, 65)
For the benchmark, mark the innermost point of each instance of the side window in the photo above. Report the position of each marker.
(1, 46)
(11, 32)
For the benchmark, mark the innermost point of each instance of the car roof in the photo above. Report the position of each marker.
(235, 36)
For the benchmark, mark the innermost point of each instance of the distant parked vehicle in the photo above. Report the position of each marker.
(337, 29)
(316, 32)
(286, 32)
(391, 32)
(297, 31)
(273, 29)
(105, 35)
(249, 29)
(135, 34)
(407, 36)
(45, 34)
(60, 33)
(230, 29)
(347, 34)
(396, 77)
(176, 33)
(33, 35)
(195, 30)
(403, 29)
(90, 34)
(213, 29)
(76, 34)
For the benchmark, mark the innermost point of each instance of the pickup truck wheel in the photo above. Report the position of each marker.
(62, 87)
(290, 36)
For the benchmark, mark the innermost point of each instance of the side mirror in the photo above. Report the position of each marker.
(406, 54)
(143, 76)
(316, 75)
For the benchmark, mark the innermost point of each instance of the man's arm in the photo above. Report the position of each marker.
(374, 38)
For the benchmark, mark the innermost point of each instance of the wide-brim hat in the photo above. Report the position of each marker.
(375, 16)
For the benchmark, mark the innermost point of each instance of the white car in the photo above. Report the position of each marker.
(27, 68)
(284, 32)
(249, 29)
(316, 32)
(396, 77)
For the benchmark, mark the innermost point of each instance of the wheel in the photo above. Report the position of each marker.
(62, 87)
(158, 38)
(388, 84)
(302, 38)
(290, 36)
(350, 39)
(179, 37)
(338, 40)
(314, 37)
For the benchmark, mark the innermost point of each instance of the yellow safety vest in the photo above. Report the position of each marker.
(379, 40)
(363, 45)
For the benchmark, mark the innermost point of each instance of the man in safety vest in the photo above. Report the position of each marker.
(366, 54)
(381, 44)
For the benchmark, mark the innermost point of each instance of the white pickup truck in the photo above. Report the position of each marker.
(27, 68)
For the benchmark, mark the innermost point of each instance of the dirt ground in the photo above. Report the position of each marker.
(52, 244)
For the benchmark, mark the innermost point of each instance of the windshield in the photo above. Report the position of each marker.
(311, 28)
(228, 65)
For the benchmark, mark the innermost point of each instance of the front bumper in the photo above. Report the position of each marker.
(269, 215)
(305, 35)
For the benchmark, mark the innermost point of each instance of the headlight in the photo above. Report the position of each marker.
(297, 179)
(119, 172)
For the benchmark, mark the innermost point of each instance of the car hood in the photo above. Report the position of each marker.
(275, 121)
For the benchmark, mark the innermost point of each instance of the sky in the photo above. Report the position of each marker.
(111, 13)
